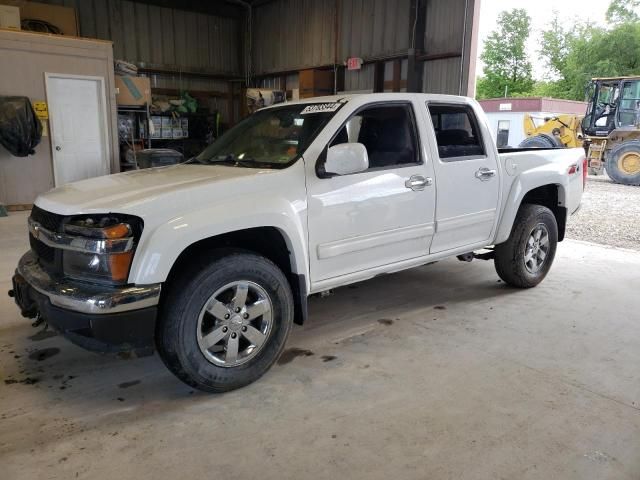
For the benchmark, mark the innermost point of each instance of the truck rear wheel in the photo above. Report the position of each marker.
(223, 325)
(623, 163)
(526, 257)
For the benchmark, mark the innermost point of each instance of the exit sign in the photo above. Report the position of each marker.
(354, 63)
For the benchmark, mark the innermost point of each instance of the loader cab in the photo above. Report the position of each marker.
(613, 104)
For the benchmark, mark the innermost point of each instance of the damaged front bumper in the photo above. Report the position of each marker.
(98, 318)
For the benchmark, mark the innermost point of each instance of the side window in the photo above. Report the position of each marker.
(388, 132)
(457, 132)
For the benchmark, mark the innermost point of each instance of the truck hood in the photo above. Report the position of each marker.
(129, 192)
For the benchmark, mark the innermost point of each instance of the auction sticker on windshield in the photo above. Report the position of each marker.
(321, 108)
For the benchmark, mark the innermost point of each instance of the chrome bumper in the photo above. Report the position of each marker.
(86, 298)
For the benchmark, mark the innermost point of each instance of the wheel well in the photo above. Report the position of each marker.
(548, 196)
(265, 241)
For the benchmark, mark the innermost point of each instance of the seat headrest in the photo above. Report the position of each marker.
(452, 137)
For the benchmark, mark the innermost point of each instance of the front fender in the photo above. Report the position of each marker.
(523, 184)
(161, 245)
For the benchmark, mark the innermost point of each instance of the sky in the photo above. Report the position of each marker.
(540, 12)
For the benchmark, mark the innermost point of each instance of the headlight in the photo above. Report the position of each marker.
(102, 248)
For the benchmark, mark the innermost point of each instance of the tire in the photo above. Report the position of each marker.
(195, 339)
(524, 243)
(540, 141)
(623, 163)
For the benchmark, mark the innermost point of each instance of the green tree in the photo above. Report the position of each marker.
(599, 52)
(556, 46)
(623, 11)
(576, 53)
(506, 66)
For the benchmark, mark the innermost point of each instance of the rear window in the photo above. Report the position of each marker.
(457, 132)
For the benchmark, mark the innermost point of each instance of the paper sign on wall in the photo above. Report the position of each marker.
(41, 109)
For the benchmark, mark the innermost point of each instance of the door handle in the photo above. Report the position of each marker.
(485, 174)
(58, 148)
(418, 182)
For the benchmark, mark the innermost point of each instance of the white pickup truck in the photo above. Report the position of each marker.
(212, 261)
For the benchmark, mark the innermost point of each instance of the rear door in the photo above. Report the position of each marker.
(467, 176)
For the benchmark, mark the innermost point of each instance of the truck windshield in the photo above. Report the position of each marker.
(270, 138)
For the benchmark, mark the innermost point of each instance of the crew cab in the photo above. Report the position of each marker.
(211, 262)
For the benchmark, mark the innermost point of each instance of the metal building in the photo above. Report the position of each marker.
(201, 45)
(216, 49)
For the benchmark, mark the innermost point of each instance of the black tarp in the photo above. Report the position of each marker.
(20, 128)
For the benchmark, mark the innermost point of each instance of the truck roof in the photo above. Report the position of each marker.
(368, 97)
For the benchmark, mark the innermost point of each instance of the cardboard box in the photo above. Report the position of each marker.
(133, 91)
(9, 17)
(65, 18)
(315, 83)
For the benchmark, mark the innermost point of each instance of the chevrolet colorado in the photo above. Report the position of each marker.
(211, 262)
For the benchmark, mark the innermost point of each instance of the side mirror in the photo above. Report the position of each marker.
(347, 158)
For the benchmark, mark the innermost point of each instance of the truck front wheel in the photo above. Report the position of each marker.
(224, 324)
(526, 257)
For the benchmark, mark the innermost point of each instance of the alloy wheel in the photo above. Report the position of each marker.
(235, 323)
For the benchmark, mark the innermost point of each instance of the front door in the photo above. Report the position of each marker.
(77, 113)
(380, 216)
(468, 179)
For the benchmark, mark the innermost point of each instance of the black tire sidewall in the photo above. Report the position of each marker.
(537, 141)
(612, 163)
(509, 261)
(181, 319)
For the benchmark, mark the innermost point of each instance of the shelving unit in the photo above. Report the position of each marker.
(133, 132)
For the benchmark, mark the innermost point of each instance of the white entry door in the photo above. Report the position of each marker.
(77, 118)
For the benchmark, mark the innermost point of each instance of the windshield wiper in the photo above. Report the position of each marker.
(233, 160)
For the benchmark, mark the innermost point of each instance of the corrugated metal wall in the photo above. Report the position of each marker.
(292, 35)
(444, 32)
(359, 80)
(161, 36)
(297, 34)
(444, 26)
(287, 35)
(373, 28)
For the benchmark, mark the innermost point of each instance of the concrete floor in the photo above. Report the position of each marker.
(440, 372)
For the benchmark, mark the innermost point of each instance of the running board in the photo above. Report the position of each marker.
(467, 257)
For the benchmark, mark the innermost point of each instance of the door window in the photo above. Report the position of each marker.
(502, 139)
(629, 111)
(387, 131)
(457, 132)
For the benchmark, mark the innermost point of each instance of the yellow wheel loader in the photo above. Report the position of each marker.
(611, 128)
(561, 131)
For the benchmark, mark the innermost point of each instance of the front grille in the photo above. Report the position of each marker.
(50, 221)
(49, 258)
(44, 252)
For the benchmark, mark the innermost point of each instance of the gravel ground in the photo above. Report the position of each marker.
(610, 214)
